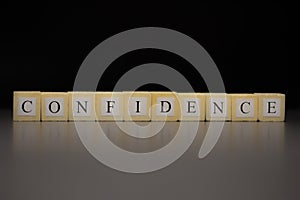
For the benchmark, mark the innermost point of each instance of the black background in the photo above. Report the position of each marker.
(41, 48)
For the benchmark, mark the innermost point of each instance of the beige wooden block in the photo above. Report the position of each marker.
(109, 106)
(137, 106)
(165, 106)
(218, 107)
(192, 106)
(27, 106)
(54, 106)
(82, 106)
(271, 107)
(244, 107)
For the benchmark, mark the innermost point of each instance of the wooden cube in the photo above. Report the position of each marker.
(109, 106)
(54, 106)
(218, 107)
(192, 106)
(27, 106)
(244, 107)
(165, 106)
(82, 106)
(137, 106)
(271, 107)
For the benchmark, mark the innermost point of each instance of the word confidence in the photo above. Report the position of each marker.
(147, 106)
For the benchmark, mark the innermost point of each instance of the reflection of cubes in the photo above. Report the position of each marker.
(137, 106)
(165, 106)
(244, 107)
(27, 106)
(271, 107)
(82, 106)
(218, 107)
(54, 106)
(192, 106)
(109, 106)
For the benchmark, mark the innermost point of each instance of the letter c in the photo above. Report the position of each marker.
(242, 106)
(23, 106)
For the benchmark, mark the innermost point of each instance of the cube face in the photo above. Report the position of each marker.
(244, 107)
(137, 106)
(192, 106)
(218, 107)
(109, 106)
(54, 106)
(271, 107)
(165, 106)
(27, 106)
(82, 106)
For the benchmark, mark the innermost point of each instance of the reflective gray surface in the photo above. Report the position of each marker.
(252, 160)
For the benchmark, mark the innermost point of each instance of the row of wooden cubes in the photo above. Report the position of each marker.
(147, 106)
